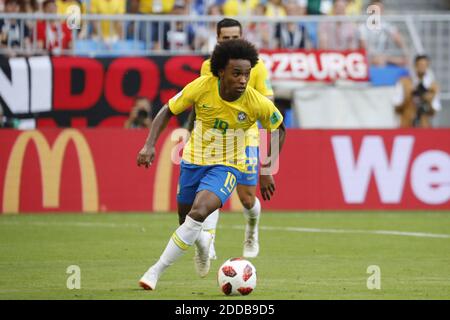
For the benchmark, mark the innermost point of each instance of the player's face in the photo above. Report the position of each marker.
(229, 33)
(234, 78)
(421, 67)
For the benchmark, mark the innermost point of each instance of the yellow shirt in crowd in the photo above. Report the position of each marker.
(62, 6)
(110, 7)
(239, 7)
(156, 6)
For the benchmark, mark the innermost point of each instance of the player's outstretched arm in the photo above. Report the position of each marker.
(266, 181)
(147, 154)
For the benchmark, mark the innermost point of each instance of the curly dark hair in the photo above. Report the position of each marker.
(232, 49)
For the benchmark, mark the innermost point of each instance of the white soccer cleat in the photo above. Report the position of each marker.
(201, 258)
(149, 280)
(251, 245)
(212, 251)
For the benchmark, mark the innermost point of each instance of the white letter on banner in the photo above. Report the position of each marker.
(15, 92)
(430, 177)
(354, 174)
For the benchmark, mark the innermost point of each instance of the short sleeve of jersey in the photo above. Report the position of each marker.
(269, 116)
(262, 81)
(186, 97)
(206, 68)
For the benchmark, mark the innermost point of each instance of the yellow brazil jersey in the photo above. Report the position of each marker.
(220, 127)
(259, 80)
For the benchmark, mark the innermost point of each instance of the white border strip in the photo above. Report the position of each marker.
(241, 227)
(382, 232)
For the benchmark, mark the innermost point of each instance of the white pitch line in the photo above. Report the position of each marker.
(72, 224)
(292, 229)
(383, 232)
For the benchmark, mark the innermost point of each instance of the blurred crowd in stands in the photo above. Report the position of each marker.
(56, 36)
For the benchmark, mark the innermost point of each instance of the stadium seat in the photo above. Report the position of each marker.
(98, 48)
(127, 47)
(386, 76)
(88, 47)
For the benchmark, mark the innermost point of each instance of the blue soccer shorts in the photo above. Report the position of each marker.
(250, 176)
(219, 179)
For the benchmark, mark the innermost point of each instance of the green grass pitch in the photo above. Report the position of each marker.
(303, 256)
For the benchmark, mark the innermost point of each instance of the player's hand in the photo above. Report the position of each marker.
(267, 186)
(146, 156)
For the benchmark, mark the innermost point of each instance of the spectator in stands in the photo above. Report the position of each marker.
(416, 98)
(293, 35)
(338, 35)
(109, 31)
(182, 37)
(377, 42)
(201, 7)
(205, 35)
(63, 7)
(304, 7)
(158, 29)
(157, 6)
(14, 35)
(260, 33)
(275, 8)
(354, 7)
(317, 7)
(232, 8)
(140, 115)
(29, 6)
(135, 30)
(53, 36)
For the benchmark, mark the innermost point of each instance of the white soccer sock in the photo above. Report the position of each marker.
(211, 221)
(252, 216)
(202, 239)
(181, 240)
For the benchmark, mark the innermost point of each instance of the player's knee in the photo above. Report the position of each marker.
(198, 213)
(248, 200)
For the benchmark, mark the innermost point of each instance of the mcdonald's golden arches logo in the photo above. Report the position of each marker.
(51, 159)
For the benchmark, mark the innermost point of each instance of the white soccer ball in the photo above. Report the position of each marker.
(237, 276)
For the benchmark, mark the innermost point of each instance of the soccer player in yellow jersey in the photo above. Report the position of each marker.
(228, 29)
(214, 156)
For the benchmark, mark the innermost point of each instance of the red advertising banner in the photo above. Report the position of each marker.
(100, 92)
(318, 65)
(94, 170)
(89, 92)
